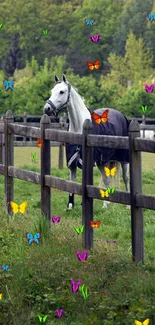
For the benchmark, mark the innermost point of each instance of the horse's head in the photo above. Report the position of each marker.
(59, 98)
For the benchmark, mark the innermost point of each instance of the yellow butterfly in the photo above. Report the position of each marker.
(18, 208)
(109, 172)
(104, 193)
(146, 322)
(1, 295)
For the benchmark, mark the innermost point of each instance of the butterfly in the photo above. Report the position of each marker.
(151, 17)
(79, 230)
(33, 155)
(146, 322)
(32, 238)
(95, 65)
(103, 118)
(84, 292)
(8, 84)
(110, 172)
(55, 219)
(1, 296)
(111, 190)
(39, 143)
(144, 109)
(59, 313)
(5, 267)
(82, 256)
(42, 319)
(45, 32)
(89, 22)
(104, 193)
(1, 25)
(95, 224)
(95, 39)
(19, 208)
(149, 89)
(75, 287)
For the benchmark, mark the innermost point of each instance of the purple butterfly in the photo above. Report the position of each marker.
(82, 256)
(55, 219)
(149, 89)
(59, 313)
(75, 287)
(94, 38)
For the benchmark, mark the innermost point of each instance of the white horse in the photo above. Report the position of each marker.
(63, 95)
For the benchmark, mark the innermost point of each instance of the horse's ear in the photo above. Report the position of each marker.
(64, 78)
(56, 79)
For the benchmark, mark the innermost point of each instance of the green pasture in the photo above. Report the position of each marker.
(39, 279)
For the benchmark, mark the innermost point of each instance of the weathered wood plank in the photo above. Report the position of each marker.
(147, 127)
(9, 161)
(118, 196)
(23, 130)
(145, 201)
(87, 179)
(63, 185)
(64, 136)
(45, 123)
(1, 127)
(33, 144)
(61, 155)
(144, 145)
(1, 169)
(136, 187)
(108, 141)
(25, 175)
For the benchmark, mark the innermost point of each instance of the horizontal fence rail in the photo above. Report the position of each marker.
(135, 198)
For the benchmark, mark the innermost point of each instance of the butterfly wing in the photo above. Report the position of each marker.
(97, 64)
(79, 256)
(92, 38)
(102, 193)
(44, 318)
(152, 88)
(91, 22)
(87, 22)
(98, 223)
(146, 88)
(113, 190)
(6, 84)
(77, 230)
(90, 65)
(11, 83)
(57, 219)
(107, 171)
(40, 318)
(22, 207)
(37, 236)
(15, 207)
(104, 116)
(113, 171)
(92, 224)
(81, 228)
(29, 238)
(85, 255)
(96, 118)
(146, 321)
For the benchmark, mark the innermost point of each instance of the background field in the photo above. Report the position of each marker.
(39, 279)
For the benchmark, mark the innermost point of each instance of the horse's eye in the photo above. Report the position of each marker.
(61, 92)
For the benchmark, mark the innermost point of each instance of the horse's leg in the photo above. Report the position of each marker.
(105, 180)
(70, 204)
(125, 170)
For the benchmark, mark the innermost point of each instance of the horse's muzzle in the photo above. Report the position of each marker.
(47, 110)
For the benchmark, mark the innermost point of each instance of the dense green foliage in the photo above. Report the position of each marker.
(126, 52)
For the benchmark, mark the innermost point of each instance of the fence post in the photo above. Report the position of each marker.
(1, 144)
(136, 187)
(45, 123)
(9, 161)
(25, 122)
(143, 122)
(61, 147)
(87, 179)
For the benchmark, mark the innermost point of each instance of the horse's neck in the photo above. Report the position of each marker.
(77, 112)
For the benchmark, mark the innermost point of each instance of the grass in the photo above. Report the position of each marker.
(39, 278)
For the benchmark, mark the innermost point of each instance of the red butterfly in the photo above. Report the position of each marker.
(95, 65)
(39, 143)
(103, 118)
(95, 224)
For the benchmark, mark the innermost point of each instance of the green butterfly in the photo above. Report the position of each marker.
(33, 155)
(144, 109)
(42, 319)
(79, 230)
(1, 25)
(111, 190)
(84, 291)
(45, 32)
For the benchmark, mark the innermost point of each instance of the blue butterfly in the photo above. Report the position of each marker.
(32, 238)
(8, 84)
(89, 22)
(151, 17)
(4, 267)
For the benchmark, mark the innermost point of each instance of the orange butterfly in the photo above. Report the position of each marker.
(95, 65)
(103, 118)
(39, 143)
(95, 224)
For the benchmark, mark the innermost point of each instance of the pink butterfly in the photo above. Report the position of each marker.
(149, 89)
(75, 287)
(59, 313)
(55, 219)
(94, 38)
(82, 256)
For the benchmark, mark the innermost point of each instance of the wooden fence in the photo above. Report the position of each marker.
(88, 192)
